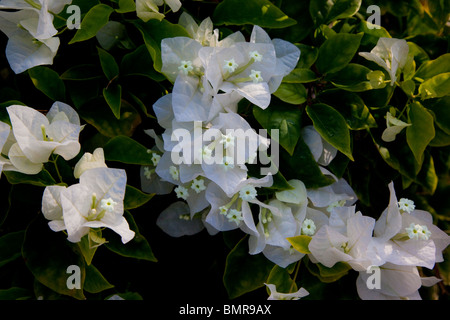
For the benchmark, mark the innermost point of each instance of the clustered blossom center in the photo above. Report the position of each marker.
(417, 231)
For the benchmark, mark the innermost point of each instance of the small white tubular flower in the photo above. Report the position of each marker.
(391, 54)
(255, 55)
(406, 205)
(248, 193)
(393, 127)
(147, 173)
(230, 65)
(228, 140)
(308, 227)
(108, 204)
(174, 172)
(417, 231)
(256, 76)
(155, 158)
(186, 67)
(89, 161)
(235, 215)
(227, 163)
(182, 192)
(89, 204)
(275, 295)
(198, 185)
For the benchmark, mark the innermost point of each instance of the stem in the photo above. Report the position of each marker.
(54, 159)
(295, 276)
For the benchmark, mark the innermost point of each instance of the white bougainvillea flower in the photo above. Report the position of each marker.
(39, 136)
(396, 283)
(221, 204)
(96, 202)
(176, 221)
(330, 245)
(393, 127)
(275, 295)
(148, 9)
(90, 161)
(30, 31)
(5, 146)
(52, 207)
(287, 56)
(409, 239)
(391, 54)
(249, 78)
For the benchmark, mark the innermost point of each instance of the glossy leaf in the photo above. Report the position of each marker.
(421, 132)
(92, 22)
(113, 97)
(300, 243)
(126, 150)
(48, 82)
(323, 11)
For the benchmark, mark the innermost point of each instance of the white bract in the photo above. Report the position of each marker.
(96, 202)
(148, 9)
(390, 54)
(275, 295)
(89, 161)
(30, 30)
(393, 127)
(39, 136)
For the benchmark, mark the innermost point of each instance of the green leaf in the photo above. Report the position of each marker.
(92, 22)
(421, 132)
(302, 165)
(293, 93)
(325, 11)
(440, 110)
(300, 76)
(48, 82)
(134, 198)
(126, 150)
(113, 97)
(15, 293)
(307, 57)
(281, 278)
(432, 68)
(42, 179)
(337, 52)
(126, 6)
(137, 248)
(332, 126)
(97, 113)
(352, 78)
(48, 254)
(300, 243)
(11, 246)
(408, 87)
(436, 87)
(285, 119)
(109, 65)
(139, 62)
(328, 275)
(371, 35)
(81, 72)
(427, 176)
(352, 108)
(254, 12)
(95, 282)
(244, 272)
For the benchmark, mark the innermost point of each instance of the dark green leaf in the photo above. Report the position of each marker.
(351, 78)
(332, 126)
(281, 278)
(109, 65)
(134, 198)
(283, 118)
(432, 68)
(137, 248)
(10, 247)
(94, 20)
(421, 132)
(48, 254)
(243, 272)
(325, 11)
(95, 282)
(42, 179)
(126, 6)
(255, 12)
(81, 72)
(139, 62)
(337, 52)
(436, 87)
(48, 82)
(293, 93)
(127, 150)
(300, 76)
(113, 97)
(15, 293)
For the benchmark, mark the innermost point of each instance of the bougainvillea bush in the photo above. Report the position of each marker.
(224, 150)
